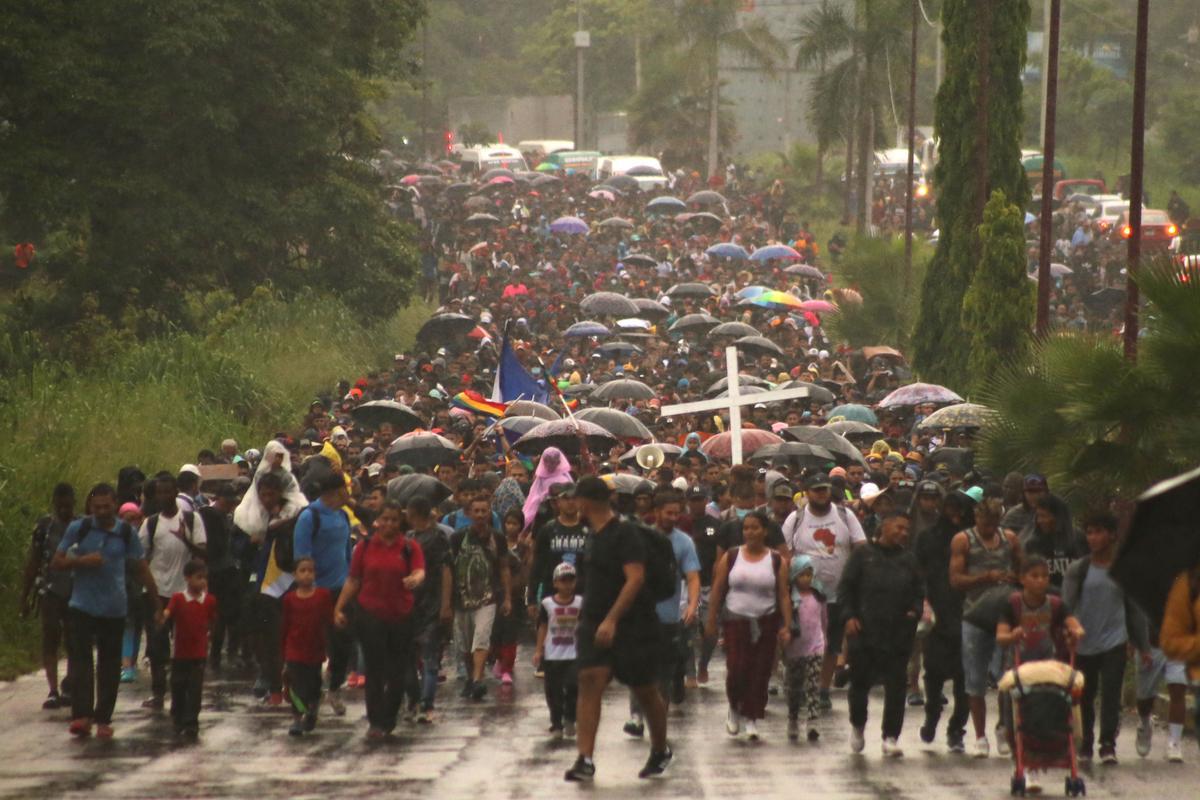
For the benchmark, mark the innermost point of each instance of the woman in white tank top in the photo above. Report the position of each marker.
(749, 583)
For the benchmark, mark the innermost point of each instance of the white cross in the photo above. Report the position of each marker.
(734, 402)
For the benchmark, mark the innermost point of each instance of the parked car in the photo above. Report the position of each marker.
(1157, 230)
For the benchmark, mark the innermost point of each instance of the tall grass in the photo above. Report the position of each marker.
(156, 405)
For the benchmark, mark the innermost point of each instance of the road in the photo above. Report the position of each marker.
(498, 749)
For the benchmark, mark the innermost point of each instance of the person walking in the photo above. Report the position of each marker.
(882, 595)
(191, 612)
(805, 651)
(556, 650)
(427, 629)
(49, 591)
(304, 622)
(751, 587)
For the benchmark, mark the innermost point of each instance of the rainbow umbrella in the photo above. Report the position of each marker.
(821, 306)
(773, 298)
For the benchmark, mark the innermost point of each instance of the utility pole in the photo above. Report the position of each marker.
(1049, 116)
(912, 134)
(1136, 164)
(583, 41)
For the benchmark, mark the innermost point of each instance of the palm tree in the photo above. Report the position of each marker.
(826, 32)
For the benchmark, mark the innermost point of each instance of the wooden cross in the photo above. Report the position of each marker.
(734, 402)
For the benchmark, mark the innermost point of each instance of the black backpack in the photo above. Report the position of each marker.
(661, 568)
(285, 539)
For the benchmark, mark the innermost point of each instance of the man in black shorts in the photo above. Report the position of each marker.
(618, 630)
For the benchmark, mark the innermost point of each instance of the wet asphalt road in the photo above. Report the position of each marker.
(499, 749)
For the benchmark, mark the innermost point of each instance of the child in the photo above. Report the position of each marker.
(131, 644)
(555, 655)
(193, 612)
(508, 628)
(806, 649)
(307, 611)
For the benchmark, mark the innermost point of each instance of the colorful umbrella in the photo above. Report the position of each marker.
(774, 251)
(751, 291)
(854, 412)
(773, 298)
(728, 250)
(602, 194)
(818, 306)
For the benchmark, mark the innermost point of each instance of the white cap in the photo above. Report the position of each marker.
(680, 483)
(812, 352)
(823, 354)
(868, 492)
(192, 468)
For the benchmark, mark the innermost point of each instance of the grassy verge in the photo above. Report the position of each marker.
(156, 405)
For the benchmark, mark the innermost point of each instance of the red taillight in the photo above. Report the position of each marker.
(1126, 231)
(1172, 231)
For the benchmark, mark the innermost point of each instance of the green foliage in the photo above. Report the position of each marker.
(472, 133)
(998, 309)
(941, 343)
(875, 268)
(1095, 423)
(1179, 134)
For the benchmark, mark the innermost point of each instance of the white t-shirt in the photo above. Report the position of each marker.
(170, 554)
(561, 620)
(826, 539)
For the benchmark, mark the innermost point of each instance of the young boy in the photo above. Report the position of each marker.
(307, 611)
(558, 618)
(193, 611)
(805, 651)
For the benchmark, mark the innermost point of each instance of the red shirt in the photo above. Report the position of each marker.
(192, 617)
(303, 625)
(381, 570)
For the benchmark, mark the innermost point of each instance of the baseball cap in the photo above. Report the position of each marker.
(593, 488)
(1035, 481)
(782, 489)
(697, 493)
(869, 492)
(375, 470)
(975, 493)
(564, 570)
(928, 487)
(191, 468)
(818, 481)
(564, 489)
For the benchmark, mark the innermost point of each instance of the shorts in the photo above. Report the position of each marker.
(1148, 678)
(53, 612)
(634, 657)
(978, 650)
(835, 629)
(474, 627)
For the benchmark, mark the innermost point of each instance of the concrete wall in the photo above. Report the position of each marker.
(516, 118)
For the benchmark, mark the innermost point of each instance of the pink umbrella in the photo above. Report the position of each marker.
(409, 180)
(721, 445)
(818, 305)
(500, 179)
(602, 194)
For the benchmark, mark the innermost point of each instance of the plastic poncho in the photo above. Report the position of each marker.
(552, 468)
(250, 515)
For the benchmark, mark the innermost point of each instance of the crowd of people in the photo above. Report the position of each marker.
(416, 526)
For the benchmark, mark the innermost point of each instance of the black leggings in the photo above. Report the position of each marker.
(304, 686)
(562, 689)
(385, 647)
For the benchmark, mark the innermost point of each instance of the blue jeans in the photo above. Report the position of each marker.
(423, 678)
(979, 656)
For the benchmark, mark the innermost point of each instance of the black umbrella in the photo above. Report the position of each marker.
(519, 425)
(805, 271)
(666, 205)
(617, 349)
(407, 487)
(376, 412)
(446, 327)
(497, 172)
(639, 260)
(958, 460)
(800, 455)
(616, 223)
(815, 391)
(706, 197)
(622, 183)
(623, 389)
(618, 423)
(693, 323)
(1105, 298)
(852, 427)
(423, 450)
(705, 218)
(1160, 541)
(759, 344)
(477, 203)
(459, 188)
(743, 380)
(482, 219)
(734, 329)
(579, 389)
(745, 389)
(530, 408)
(543, 180)
(609, 304)
(586, 328)
(843, 451)
(691, 290)
(565, 434)
(651, 309)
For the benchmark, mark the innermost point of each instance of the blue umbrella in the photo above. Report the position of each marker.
(569, 225)
(751, 291)
(852, 412)
(728, 250)
(666, 204)
(774, 251)
(586, 328)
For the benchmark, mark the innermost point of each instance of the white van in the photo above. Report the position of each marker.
(479, 159)
(647, 170)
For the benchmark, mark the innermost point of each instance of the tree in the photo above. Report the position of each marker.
(825, 32)
(472, 133)
(875, 267)
(998, 309)
(1180, 135)
(978, 121)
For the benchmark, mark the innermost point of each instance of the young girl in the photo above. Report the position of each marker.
(558, 618)
(508, 628)
(307, 612)
(131, 644)
(805, 651)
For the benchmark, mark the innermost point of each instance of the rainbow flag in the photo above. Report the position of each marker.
(475, 402)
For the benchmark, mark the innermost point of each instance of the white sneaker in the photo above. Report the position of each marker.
(733, 723)
(335, 702)
(1174, 752)
(891, 749)
(1002, 748)
(857, 742)
(982, 748)
(1145, 738)
(751, 730)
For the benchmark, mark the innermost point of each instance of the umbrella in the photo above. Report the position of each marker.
(706, 198)
(530, 408)
(482, 219)
(735, 329)
(805, 271)
(618, 423)
(774, 251)
(501, 180)
(670, 451)
(915, 394)
(1105, 298)
(410, 180)
(959, 415)
(727, 250)
(477, 202)
(586, 328)
(459, 188)
(690, 290)
(844, 452)
(518, 425)
(615, 222)
(497, 172)
(546, 166)
(609, 304)
(623, 389)
(623, 183)
(572, 226)
(376, 412)
(639, 260)
(633, 324)
(773, 298)
(603, 194)
(854, 412)
(720, 446)
(565, 434)
(705, 217)
(624, 483)
(446, 327)
(651, 309)
(421, 450)
(666, 205)
(800, 455)
(815, 392)
(745, 389)
(819, 306)
(743, 380)
(751, 291)
(619, 348)
(1056, 271)
(578, 389)
(1160, 541)
(850, 427)
(759, 343)
(408, 487)
(693, 322)
(545, 180)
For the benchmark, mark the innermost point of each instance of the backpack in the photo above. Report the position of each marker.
(284, 539)
(124, 530)
(661, 568)
(189, 522)
(473, 565)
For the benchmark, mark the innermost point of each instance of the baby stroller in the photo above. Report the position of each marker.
(1045, 694)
